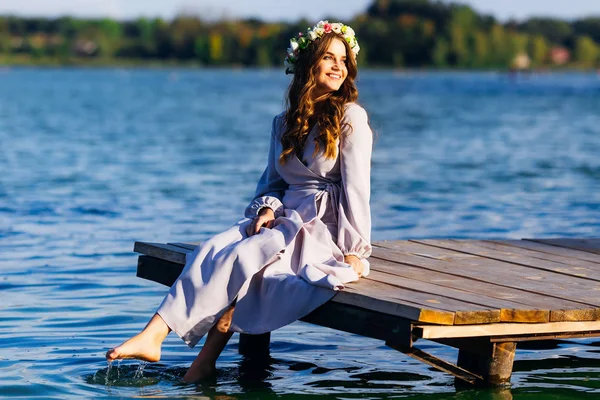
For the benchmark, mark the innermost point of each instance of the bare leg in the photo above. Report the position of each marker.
(145, 345)
(204, 365)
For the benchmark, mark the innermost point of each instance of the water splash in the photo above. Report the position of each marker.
(119, 369)
(139, 373)
(108, 369)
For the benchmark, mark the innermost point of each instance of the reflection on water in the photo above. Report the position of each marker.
(96, 159)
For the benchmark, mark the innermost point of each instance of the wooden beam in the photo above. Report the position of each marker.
(457, 331)
(438, 363)
(362, 322)
(495, 367)
(156, 270)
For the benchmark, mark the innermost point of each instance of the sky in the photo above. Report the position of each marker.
(280, 10)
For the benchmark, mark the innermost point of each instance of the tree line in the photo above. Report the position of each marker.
(392, 33)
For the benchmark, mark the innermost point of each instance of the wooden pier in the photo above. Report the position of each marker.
(480, 296)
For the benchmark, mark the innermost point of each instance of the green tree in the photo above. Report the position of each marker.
(459, 50)
(586, 51)
(108, 37)
(517, 43)
(162, 39)
(500, 51)
(263, 56)
(4, 36)
(440, 53)
(184, 31)
(538, 48)
(480, 50)
(215, 48)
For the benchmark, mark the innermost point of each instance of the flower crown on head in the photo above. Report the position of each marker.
(303, 40)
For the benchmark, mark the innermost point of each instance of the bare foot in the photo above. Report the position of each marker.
(145, 345)
(141, 347)
(198, 372)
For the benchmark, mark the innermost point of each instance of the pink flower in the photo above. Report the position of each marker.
(299, 34)
(327, 28)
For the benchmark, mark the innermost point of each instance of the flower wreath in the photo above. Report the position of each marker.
(303, 40)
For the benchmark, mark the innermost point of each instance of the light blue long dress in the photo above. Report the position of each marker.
(281, 274)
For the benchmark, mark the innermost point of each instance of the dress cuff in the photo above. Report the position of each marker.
(261, 202)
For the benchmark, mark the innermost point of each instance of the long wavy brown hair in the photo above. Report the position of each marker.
(303, 112)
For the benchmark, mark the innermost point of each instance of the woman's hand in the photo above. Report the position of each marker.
(265, 218)
(355, 263)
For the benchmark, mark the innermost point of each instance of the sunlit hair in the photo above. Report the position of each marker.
(303, 113)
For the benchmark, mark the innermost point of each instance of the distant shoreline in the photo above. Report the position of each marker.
(168, 64)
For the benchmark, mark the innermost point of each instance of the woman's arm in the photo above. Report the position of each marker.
(267, 204)
(354, 219)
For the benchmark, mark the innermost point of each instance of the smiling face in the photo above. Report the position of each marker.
(331, 70)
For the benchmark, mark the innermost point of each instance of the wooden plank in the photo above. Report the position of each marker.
(532, 253)
(548, 249)
(465, 312)
(458, 331)
(507, 299)
(588, 245)
(553, 285)
(467, 306)
(474, 248)
(524, 302)
(161, 251)
(375, 297)
(189, 246)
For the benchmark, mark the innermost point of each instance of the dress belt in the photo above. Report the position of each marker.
(327, 193)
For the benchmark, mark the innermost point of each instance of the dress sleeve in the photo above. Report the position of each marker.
(354, 216)
(271, 186)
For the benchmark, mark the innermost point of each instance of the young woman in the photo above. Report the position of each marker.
(307, 231)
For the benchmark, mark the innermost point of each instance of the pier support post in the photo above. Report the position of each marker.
(255, 345)
(494, 365)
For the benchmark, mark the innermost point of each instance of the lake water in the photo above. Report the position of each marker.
(93, 160)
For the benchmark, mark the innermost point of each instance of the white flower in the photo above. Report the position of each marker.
(349, 32)
(336, 27)
(319, 31)
(321, 24)
(312, 35)
(356, 49)
(293, 45)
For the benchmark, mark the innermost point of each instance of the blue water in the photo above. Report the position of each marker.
(92, 160)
